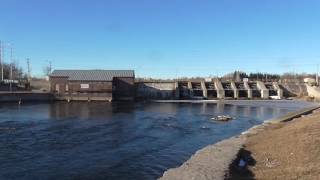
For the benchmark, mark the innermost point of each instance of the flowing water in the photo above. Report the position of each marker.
(102, 140)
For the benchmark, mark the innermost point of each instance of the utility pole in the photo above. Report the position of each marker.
(1, 60)
(11, 61)
(266, 77)
(50, 66)
(29, 69)
(317, 75)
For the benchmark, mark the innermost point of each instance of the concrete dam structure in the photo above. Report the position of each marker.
(176, 90)
(208, 90)
(109, 85)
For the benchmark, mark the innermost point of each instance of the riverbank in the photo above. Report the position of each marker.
(288, 150)
(270, 150)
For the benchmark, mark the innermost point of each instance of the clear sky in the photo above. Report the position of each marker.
(164, 38)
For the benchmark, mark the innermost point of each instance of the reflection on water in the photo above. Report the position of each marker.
(88, 110)
(82, 140)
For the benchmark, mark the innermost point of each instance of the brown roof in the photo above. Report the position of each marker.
(92, 75)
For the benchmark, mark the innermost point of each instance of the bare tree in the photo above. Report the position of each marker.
(47, 69)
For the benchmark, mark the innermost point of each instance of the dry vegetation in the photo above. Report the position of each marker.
(284, 151)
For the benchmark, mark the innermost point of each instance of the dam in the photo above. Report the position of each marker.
(167, 90)
(208, 90)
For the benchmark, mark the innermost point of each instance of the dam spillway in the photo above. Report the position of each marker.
(208, 90)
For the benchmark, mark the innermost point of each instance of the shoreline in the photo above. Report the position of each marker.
(214, 161)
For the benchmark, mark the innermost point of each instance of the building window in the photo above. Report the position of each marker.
(84, 86)
(67, 87)
(57, 88)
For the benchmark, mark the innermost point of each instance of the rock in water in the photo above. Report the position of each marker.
(222, 118)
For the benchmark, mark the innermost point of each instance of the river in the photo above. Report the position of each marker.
(100, 140)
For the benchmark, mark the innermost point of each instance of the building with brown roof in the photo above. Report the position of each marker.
(92, 84)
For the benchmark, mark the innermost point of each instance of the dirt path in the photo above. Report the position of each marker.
(288, 150)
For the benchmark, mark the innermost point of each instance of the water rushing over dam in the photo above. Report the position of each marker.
(101, 140)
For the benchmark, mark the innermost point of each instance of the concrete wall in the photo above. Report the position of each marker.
(220, 90)
(156, 90)
(170, 90)
(293, 89)
(278, 89)
(25, 96)
(247, 87)
(123, 88)
(85, 97)
(235, 90)
(204, 90)
(313, 91)
(264, 91)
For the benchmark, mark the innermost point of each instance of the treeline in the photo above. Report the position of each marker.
(262, 76)
(17, 72)
(239, 76)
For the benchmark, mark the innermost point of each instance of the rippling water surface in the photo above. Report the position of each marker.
(82, 140)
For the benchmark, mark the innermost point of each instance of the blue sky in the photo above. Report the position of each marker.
(164, 38)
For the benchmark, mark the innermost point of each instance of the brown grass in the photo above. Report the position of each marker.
(288, 150)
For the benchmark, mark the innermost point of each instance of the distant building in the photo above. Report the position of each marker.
(310, 81)
(92, 84)
(245, 79)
